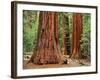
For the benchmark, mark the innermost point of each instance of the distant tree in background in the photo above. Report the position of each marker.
(64, 33)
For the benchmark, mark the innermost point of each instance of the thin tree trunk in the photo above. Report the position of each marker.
(64, 48)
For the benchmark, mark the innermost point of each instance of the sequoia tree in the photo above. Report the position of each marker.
(47, 49)
(76, 34)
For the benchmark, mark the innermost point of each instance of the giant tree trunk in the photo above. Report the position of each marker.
(47, 50)
(76, 35)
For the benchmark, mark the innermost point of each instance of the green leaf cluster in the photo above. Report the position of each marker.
(30, 28)
(86, 36)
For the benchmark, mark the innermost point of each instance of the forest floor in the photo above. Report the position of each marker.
(71, 63)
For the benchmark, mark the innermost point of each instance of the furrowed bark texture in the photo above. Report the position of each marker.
(76, 35)
(47, 51)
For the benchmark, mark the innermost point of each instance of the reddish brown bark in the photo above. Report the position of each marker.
(47, 47)
(76, 35)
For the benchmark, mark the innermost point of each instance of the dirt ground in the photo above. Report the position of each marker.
(70, 63)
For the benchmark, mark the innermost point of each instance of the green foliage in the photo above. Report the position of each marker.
(67, 18)
(85, 40)
(60, 27)
(30, 26)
